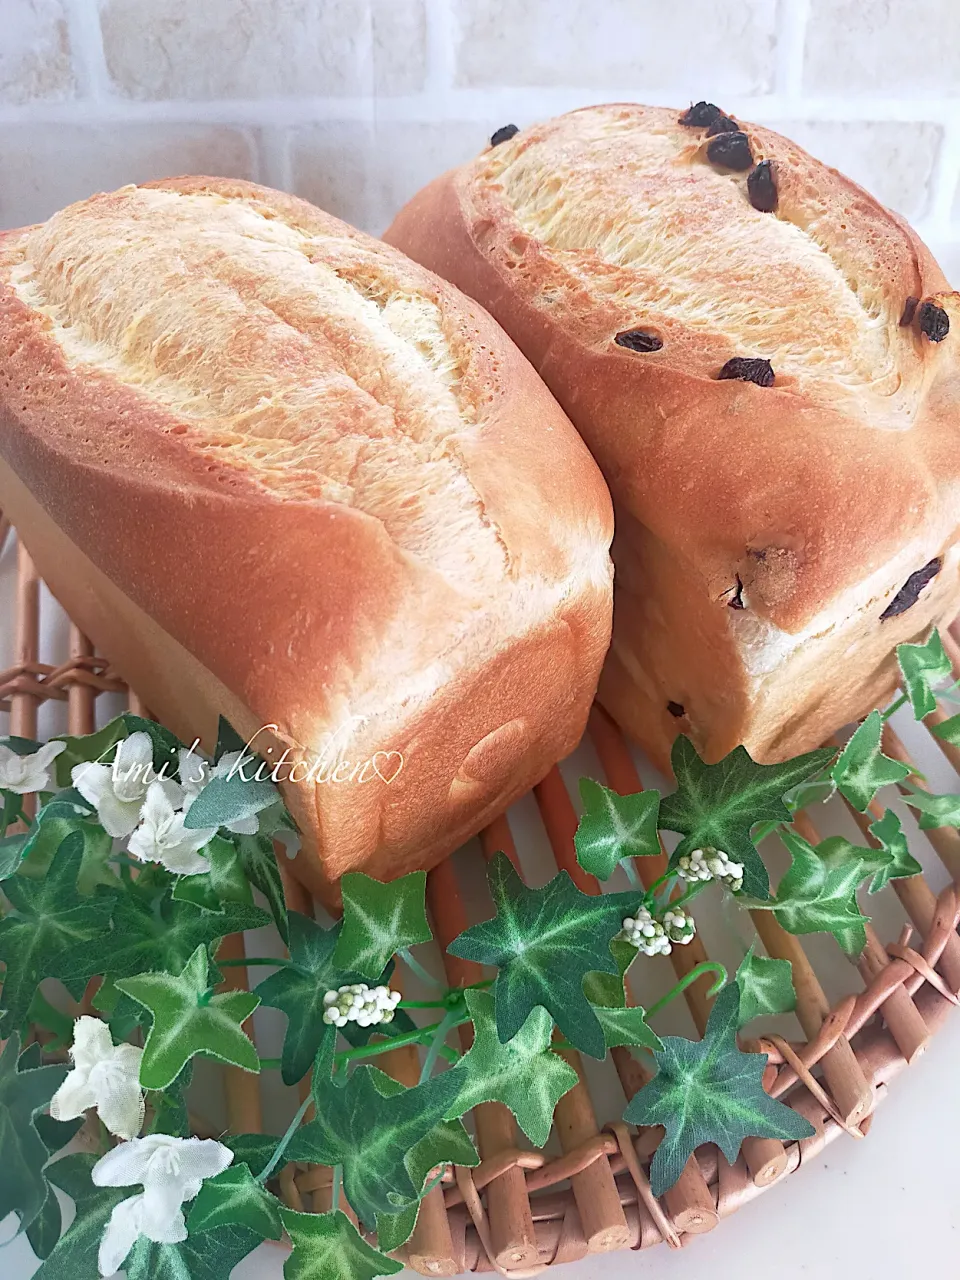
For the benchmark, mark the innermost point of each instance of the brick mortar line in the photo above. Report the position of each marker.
(437, 104)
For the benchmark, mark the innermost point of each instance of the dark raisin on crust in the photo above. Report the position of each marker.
(731, 151)
(909, 593)
(504, 134)
(736, 598)
(722, 124)
(933, 321)
(762, 187)
(700, 115)
(638, 340)
(909, 311)
(748, 369)
(676, 709)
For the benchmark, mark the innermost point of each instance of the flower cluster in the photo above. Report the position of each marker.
(356, 1002)
(679, 925)
(658, 937)
(711, 864)
(133, 802)
(646, 934)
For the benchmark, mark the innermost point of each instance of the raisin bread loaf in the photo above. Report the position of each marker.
(279, 472)
(761, 359)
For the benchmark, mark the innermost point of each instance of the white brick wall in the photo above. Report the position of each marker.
(355, 103)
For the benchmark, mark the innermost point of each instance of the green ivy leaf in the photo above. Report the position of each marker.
(622, 1025)
(298, 990)
(24, 1091)
(201, 1257)
(708, 1091)
(46, 925)
(170, 1104)
(228, 740)
(380, 920)
(11, 854)
(46, 1228)
(448, 1143)
(75, 1255)
(862, 768)
(949, 730)
(252, 1149)
(88, 748)
(226, 881)
(839, 852)
(901, 861)
(718, 804)
(935, 811)
(371, 1135)
(235, 1198)
(815, 898)
(188, 1020)
(149, 936)
(924, 667)
(54, 823)
(238, 795)
(614, 827)
(327, 1246)
(626, 1026)
(766, 987)
(523, 1074)
(259, 863)
(544, 942)
(21, 746)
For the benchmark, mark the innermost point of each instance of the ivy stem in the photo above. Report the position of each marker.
(336, 1187)
(270, 1064)
(398, 1042)
(285, 1140)
(894, 707)
(416, 967)
(446, 1024)
(236, 964)
(631, 873)
(708, 966)
(422, 1004)
(697, 887)
(42, 1011)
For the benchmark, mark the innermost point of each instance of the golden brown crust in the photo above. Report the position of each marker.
(445, 596)
(822, 493)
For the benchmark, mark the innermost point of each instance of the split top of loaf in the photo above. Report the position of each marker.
(334, 496)
(630, 215)
(765, 363)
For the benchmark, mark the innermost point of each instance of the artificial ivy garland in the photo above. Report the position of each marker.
(143, 856)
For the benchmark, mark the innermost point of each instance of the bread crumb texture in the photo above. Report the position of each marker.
(628, 210)
(322, 365)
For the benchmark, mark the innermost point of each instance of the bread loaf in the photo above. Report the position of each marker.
(281, 473)
(761, 359)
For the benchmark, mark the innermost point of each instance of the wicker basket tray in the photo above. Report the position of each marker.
(520, 1210)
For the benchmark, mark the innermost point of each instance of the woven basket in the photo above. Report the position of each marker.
(521, 1211)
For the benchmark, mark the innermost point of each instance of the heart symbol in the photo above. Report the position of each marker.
(389, 757)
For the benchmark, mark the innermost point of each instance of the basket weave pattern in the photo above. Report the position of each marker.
(521, 1211)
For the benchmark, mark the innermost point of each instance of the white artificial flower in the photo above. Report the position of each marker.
(711, 864)
(24, 774)
(117, 791)
(357, 1002)
(162, 837)
(104, 1076)
(195, 774)
(171, 1171)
